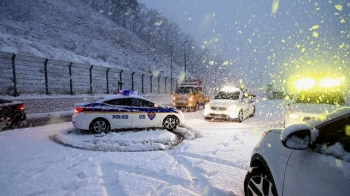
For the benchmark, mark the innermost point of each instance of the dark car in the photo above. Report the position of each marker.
(11, 112)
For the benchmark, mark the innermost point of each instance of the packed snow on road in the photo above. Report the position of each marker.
(209, 157)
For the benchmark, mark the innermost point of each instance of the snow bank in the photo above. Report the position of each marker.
(125, 141)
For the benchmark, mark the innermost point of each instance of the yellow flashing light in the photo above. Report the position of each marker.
(304, 84)
(331, 82)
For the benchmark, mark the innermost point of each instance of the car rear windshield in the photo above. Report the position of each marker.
(227, 95)
(2, 101)
(320, 98)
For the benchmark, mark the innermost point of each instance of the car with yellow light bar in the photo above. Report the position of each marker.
(312, 97)
(125, 110)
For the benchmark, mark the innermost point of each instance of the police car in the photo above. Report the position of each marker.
(124, 110)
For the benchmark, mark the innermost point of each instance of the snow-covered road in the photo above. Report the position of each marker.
(214, 164)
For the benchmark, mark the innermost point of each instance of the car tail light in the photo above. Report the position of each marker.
(79, 109)
(21, 106)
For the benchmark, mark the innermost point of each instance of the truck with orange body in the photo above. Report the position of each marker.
(189, 96)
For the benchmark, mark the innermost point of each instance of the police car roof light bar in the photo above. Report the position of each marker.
(128, 92)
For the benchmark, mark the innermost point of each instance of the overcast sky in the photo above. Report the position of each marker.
(267, 40)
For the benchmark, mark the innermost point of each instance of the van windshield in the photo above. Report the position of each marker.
(227, 95)
(184, 90)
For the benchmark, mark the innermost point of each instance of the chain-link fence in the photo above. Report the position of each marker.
(23, 74)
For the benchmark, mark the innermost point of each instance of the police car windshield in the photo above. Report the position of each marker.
(227, 95)
(320, 98)
(184, 90)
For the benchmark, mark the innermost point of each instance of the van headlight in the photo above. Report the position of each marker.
(206, 109)
(232, 108)
(293, 116)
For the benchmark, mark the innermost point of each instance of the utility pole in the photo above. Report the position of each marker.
(171, 66)
(185, 66)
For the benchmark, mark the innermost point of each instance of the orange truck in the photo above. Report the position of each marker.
(190, 95)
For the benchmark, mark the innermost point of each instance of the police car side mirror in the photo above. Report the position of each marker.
(156, 105)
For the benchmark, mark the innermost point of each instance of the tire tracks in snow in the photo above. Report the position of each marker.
(212, 159)
(110, 172)
(200, 178)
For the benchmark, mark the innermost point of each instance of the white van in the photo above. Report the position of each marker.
(230, 103)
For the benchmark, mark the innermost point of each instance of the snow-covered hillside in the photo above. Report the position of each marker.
(73, 31)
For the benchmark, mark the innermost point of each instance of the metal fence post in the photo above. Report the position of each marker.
(14, 75)
(142, 82)
(171, 85)
(46, 78)
(70, 78)
(151, 82)
(132, 80)
(165, 85)
(91, 79)
(159, 85)
(107, 80)
(120, 81)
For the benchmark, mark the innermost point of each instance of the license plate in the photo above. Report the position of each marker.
(181, 101)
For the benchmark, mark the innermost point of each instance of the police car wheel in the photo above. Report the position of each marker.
(100, 125)
(170, 123)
